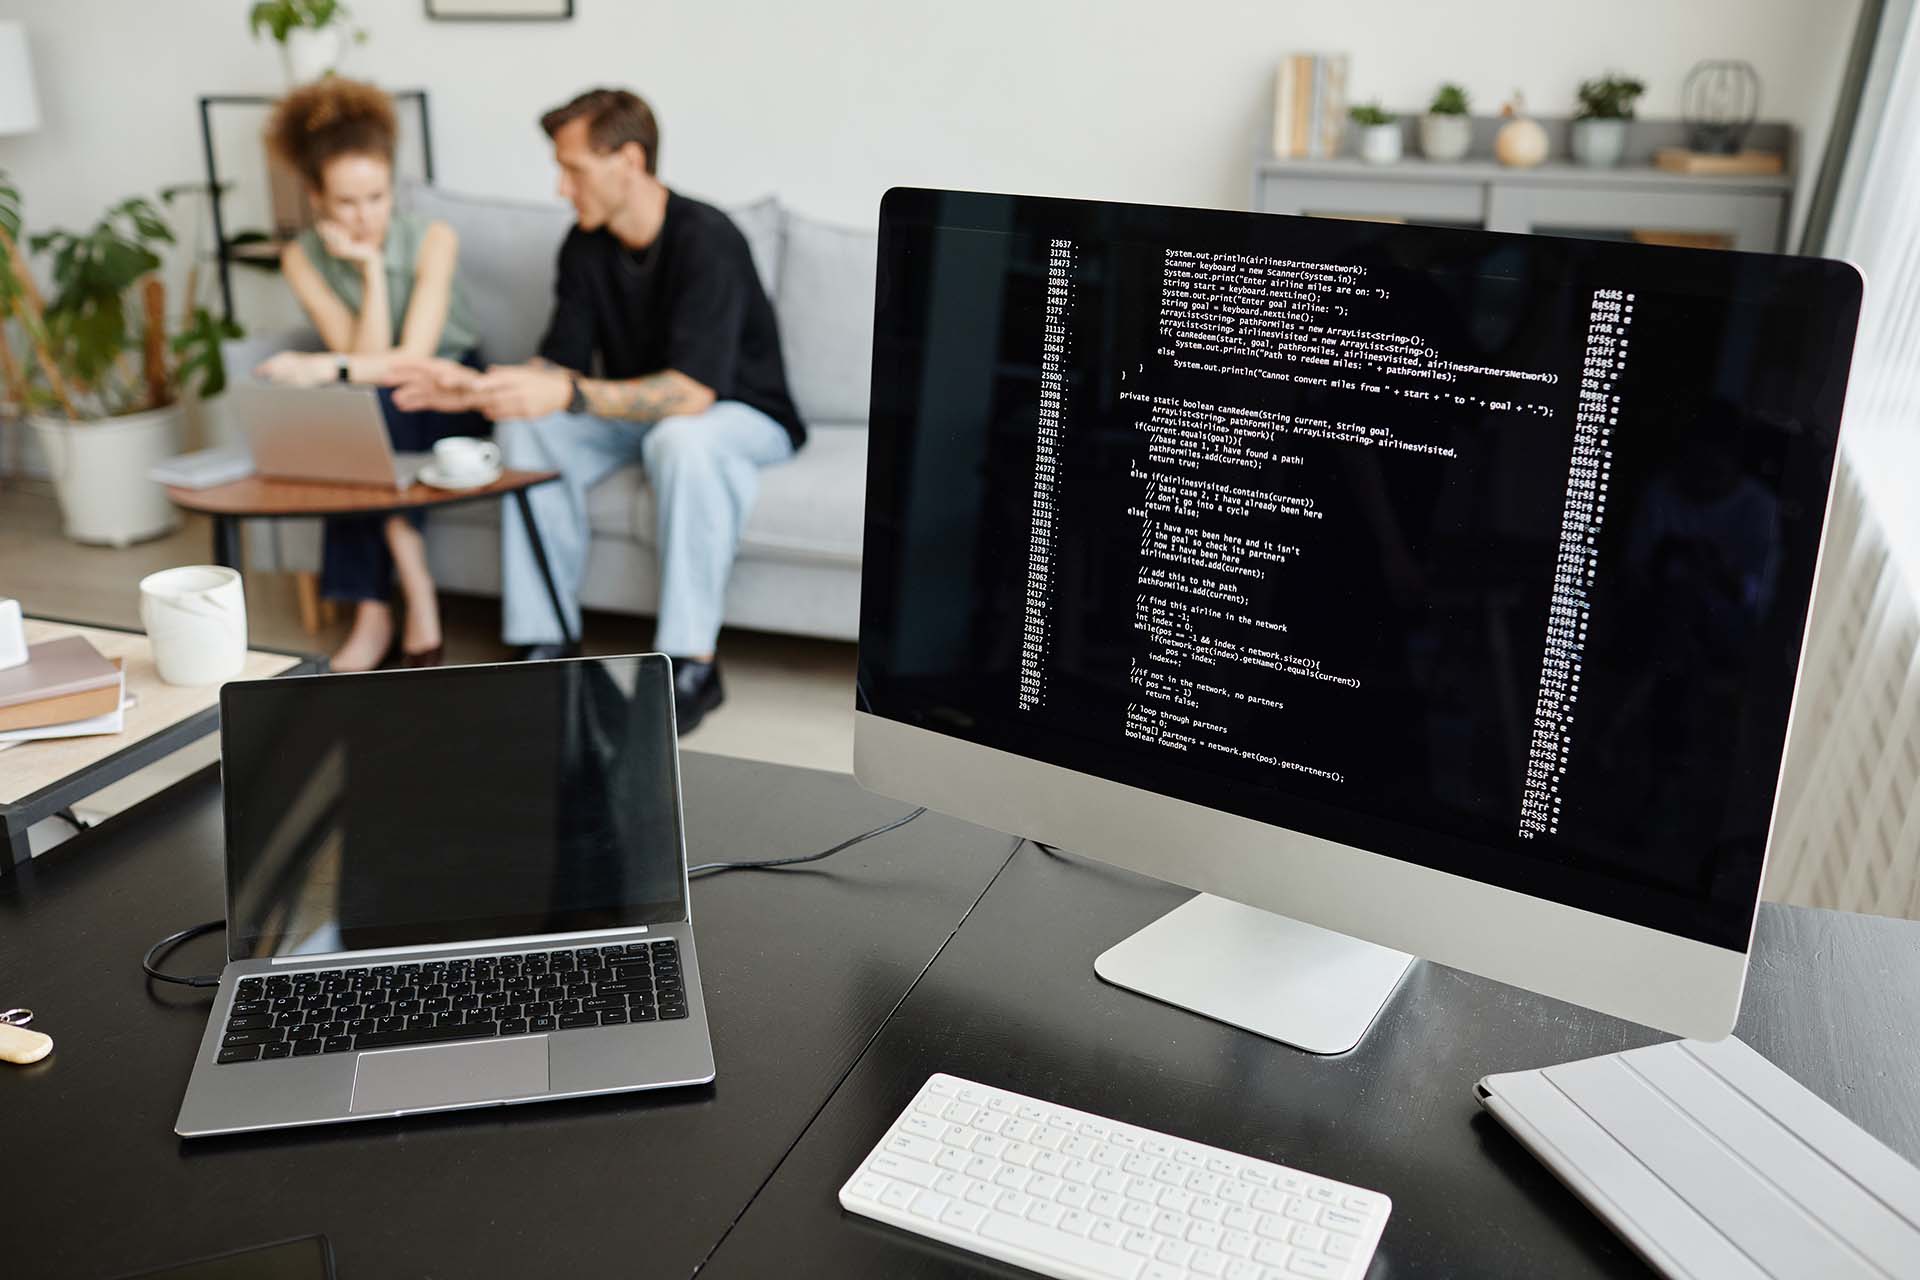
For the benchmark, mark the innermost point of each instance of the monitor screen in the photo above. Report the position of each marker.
(443, 805)
(1487, 552)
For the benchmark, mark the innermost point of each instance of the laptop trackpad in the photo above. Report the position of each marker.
(449, 1074)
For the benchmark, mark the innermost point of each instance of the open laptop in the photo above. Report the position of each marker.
(335, 434)
(446, 888)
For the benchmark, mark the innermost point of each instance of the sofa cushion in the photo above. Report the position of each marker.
(825, 305)
(507, 255)
(764, 224)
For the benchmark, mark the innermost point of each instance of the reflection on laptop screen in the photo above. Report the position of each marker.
(399, 809)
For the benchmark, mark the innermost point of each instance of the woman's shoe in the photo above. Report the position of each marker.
(434, 657)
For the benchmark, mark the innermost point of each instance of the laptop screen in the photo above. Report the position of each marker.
(452, 804)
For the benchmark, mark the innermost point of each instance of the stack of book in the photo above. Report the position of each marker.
(64, 689)
(1309, 105)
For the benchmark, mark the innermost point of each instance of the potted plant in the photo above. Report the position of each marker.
(100, 377)
(312, 34)
(1446, 131)
(1379, 140)
(1600, 122)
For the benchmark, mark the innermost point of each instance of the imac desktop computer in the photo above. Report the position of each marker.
(1408, 591)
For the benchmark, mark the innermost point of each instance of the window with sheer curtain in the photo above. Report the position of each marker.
(1847, 834)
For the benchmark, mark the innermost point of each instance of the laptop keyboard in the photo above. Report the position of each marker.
(389, 1005)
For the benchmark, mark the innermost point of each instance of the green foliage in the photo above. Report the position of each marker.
(1449, 100)
(1611, 97)
(1368, 114)
(281, 17)
(198, 348)
(93, 274)
(10, 222)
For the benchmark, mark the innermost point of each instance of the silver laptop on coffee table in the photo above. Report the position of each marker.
(332, 434)
(446, 888)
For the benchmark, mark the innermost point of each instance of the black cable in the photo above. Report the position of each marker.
(173, 940)
(709, 868)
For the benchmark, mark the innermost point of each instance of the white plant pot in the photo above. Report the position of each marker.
(1445, 137)
(309, 54)
(1599, 144)
(100, 473)
(1380, 143)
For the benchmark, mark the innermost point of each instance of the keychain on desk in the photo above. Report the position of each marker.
(17, 1044)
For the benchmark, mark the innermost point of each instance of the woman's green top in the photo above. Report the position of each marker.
(402, 254)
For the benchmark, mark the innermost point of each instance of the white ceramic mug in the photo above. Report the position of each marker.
(196, 619)
(465, 460)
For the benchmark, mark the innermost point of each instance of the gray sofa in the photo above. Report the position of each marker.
(798, 567)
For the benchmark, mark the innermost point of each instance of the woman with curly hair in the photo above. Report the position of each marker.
(379, 286)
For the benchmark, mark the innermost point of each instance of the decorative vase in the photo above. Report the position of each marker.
(310, 53)
(1380, 143)
(100, 473)
(1599, 144)
(1521, 142)
(1445, 137)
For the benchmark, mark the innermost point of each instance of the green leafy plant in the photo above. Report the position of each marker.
(1611, 97)
(93, 274)
(198, 349)
(99, 346)
(1449, 100)
(280, 18)
(1368, 114)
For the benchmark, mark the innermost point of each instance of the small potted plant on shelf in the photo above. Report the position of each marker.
(99, 374)
(312, 35)
(1379, 138)
(1446, 131)
(1600, 121)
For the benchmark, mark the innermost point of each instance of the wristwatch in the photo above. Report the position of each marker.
(340, 369)
(578, 402)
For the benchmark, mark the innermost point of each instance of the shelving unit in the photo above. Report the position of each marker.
(1632, 201)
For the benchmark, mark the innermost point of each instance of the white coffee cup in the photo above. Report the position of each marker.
(465, 460)
(196, 620)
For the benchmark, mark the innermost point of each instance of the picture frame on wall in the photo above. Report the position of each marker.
(500, 10)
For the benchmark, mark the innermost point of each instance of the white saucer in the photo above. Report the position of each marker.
(432, 475)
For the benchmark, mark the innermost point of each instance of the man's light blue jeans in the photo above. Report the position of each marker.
(704, 470)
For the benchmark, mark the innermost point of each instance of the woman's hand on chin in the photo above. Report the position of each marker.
(341, 244)
(299, 369)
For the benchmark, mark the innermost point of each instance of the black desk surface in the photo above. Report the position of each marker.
(800, 969)
(1832, 999)
(803, 970)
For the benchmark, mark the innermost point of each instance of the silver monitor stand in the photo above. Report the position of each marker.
(1296, 983)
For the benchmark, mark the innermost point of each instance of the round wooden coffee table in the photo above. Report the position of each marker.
(265, 498)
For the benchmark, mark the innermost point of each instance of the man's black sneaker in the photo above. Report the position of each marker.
(544, 652)
(696, 691)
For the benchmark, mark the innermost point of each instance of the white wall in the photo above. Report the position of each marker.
(830, 102)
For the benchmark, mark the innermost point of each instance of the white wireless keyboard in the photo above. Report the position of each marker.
(1081, 1197)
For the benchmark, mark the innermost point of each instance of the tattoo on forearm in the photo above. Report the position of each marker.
(648, 399)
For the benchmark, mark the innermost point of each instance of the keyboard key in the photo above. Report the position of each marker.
(337, 1044)
(258, 1036)
(253, 1022)
(570, 1021)
(514, 1027)
(305, 1048)
(276, 1051)
(673, 1011)
(613, 1017)
(244, 1053)
(247, 1008)
(543, 1023)
(646, 1013)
